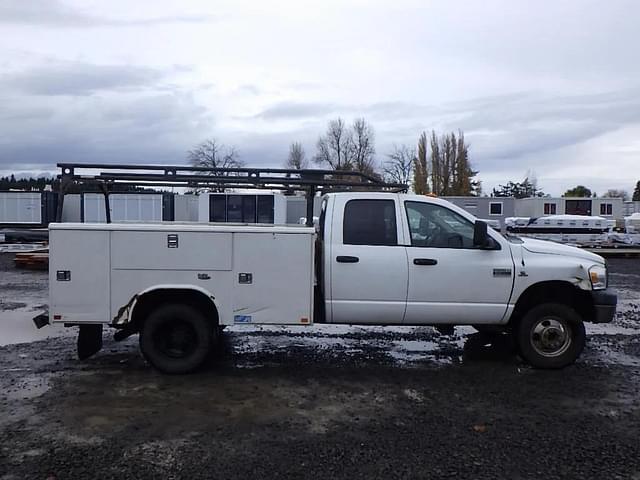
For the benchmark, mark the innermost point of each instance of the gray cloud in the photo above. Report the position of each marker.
(53, 13)
(503, 127)
(80, 78)
(295, 110)
(149, 128)
(511, 128)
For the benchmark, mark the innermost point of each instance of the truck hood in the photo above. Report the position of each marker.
(553, 248)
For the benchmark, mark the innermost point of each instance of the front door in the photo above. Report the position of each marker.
(450, 280)
(368, 266)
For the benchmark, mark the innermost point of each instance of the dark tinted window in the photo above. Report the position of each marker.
(606, 209)
(370, 222)
(578, 207)
(249, 209)
(217, 208)
(234, 208)
(495, 208)
(265, 208)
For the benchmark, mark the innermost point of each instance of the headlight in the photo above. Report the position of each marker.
(598, 276)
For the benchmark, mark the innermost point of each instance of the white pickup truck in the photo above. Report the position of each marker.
(375, 259)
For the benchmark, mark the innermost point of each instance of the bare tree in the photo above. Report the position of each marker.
(399, 167)
(362, 147)
(615, 193)
(334, 147)
(296, 159)
(214, 155)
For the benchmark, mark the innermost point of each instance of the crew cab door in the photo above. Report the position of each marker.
(450, 279)
(367, 262)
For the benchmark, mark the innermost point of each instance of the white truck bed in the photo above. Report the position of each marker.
(107, 262)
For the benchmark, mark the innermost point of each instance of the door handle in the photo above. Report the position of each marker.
(424, 261)
(347, 259)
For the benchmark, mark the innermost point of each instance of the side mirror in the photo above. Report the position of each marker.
(481, 237)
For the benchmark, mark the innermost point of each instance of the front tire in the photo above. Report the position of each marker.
(551, 335)
(176, 338)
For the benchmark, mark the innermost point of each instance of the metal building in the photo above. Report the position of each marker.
(486, 208)
(611, 208)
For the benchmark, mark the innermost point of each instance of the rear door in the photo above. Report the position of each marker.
(450, 280)
(368, 264)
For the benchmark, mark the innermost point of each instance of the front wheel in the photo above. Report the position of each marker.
(550, 335)
(176, 338)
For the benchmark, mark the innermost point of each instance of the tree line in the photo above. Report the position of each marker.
(439, 164)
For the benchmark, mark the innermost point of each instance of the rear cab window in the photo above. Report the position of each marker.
(370, 222)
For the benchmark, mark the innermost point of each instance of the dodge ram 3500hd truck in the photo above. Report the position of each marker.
(375, 259)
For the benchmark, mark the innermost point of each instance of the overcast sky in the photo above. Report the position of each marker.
(548, 85)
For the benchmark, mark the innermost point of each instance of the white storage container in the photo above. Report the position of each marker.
(125, 207)
(268, 208)
(24, 208)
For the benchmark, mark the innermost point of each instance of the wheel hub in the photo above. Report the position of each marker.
(550, 337)
(176, 339)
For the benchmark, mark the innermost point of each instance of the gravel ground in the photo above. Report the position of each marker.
(331, 402)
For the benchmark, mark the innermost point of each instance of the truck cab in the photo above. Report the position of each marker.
(392, 258)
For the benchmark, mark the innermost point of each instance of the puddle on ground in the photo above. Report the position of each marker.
(28, 387)
(16, 326)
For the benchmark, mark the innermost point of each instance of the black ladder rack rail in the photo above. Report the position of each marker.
(311, 181)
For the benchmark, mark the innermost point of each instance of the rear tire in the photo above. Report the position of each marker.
(176, 338)
(550, 335)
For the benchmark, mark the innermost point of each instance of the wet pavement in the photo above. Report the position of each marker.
(326, 402)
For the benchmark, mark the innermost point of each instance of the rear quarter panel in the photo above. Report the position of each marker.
(85, 297)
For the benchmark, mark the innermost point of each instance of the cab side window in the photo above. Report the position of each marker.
(436, 226)
(370, 222)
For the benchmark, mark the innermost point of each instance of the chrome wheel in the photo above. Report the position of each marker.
(551, 337)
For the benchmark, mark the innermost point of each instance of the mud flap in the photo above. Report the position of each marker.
(89, 340)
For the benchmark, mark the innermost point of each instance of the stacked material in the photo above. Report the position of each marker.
(624, 238)
(37, 260)
(632, 223)
(574, 229)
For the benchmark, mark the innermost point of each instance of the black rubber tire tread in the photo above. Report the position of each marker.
(204, 337)
(562, 312)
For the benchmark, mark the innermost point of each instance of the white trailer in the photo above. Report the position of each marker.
(381, 258)
(127, 207)
(260, 207)
(27, 209)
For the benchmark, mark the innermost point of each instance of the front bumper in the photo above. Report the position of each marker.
(604, 304)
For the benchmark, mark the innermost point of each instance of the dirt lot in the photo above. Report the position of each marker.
(332, 402)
